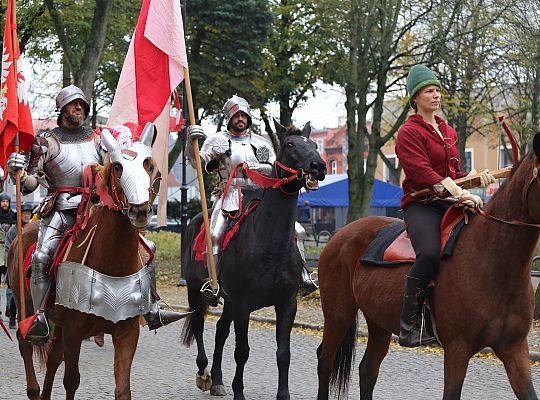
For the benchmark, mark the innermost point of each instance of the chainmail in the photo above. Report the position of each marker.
(77, 135)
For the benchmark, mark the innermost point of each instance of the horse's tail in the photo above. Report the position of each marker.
(340, 373)
(188, 331)
(193, 271)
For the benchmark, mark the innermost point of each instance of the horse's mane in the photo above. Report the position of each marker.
(105, 173)
(293, 130)
(515, 175)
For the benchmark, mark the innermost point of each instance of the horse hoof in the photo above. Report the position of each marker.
(218, 390)
(204, 381)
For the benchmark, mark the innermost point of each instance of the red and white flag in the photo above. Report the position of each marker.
(153, 68)
(15, 112)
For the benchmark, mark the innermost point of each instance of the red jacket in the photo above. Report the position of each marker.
(425, 157)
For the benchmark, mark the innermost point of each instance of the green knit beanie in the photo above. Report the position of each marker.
(420, 76)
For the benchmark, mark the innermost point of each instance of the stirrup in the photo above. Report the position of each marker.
(314, 278)
(210, 296)
(40, 330)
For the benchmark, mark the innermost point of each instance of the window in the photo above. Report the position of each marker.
(320, 145)
(467, 164)
(386, 171)
(333, 167)
(505, 157)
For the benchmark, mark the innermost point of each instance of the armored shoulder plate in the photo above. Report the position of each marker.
(219, 142)
(264, 151)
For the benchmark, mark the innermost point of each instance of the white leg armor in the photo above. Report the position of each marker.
(309, 283)
(218, 224)
(51, 231)
(300, 235)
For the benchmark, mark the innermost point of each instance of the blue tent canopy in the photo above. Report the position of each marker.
(334, 192)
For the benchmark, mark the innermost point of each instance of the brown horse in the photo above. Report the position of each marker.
(114, 251)
(483, 295)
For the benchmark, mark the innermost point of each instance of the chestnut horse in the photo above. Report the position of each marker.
(114, 251)
(483, 296)
(260, 268)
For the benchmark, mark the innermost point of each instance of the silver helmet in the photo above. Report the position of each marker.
(235, 104)
(67, 95)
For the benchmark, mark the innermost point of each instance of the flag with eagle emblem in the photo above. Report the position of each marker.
(15, 112)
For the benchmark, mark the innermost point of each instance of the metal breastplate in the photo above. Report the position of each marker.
(66, 168)
(241, 151)
(113, 298)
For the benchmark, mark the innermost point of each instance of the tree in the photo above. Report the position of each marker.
(378, 54)
(295, 55)
(469, 35)
(225, 51)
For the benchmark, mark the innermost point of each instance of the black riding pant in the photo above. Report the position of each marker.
(423, 223)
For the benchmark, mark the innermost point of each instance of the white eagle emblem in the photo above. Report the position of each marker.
(3, 88)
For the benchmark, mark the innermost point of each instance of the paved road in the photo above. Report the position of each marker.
(164, 370)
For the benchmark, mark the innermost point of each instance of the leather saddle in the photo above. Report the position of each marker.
(392, 247)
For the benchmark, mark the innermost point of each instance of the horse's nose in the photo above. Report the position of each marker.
(317, 170)
(140, 213)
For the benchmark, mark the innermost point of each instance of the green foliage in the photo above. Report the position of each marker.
(224, 41)
(296, 53)
(174, 209)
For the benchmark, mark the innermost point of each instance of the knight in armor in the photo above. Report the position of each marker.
(426, 147)
(220, 153)
(56, 161)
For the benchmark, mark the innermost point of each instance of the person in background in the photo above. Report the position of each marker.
(26, 216)
(7, 218)
(427, 149)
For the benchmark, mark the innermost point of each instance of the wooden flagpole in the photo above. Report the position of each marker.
(22, 297)
(212, 268)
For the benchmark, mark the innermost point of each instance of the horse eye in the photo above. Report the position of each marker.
(117, 168)
(148, 165)
(290, 144)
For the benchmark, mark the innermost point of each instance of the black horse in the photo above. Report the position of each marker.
(261, 267)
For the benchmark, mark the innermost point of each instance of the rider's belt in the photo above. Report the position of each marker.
(114, 298)
(67, 189)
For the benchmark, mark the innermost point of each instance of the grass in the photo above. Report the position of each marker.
(167, 256)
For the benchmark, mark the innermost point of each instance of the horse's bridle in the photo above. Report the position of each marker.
(117, 202)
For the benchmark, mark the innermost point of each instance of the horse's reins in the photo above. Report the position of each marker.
(262, 180)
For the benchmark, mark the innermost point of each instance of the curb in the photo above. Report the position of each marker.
(534, 356)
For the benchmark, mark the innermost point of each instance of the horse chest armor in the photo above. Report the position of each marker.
(114, 298)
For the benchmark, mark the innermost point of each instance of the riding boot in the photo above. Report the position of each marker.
(412, 332)
(156, 317)
(39, 283)
(310, 283)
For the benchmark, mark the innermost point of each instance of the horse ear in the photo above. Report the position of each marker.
(281, 131)
(148, 134)
(109, 141)
(536, 146)
(306, 130)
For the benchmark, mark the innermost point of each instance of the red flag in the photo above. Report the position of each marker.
(15, 112)
(153, 68)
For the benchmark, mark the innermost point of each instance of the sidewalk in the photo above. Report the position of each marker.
(310, 316)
